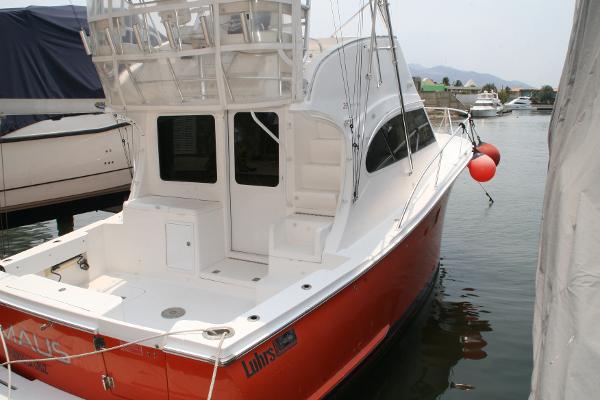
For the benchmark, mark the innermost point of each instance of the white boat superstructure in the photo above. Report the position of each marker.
(271, 205)
(487, 105)
(520, 103)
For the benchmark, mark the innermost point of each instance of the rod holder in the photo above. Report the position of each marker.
(245, 28)
(86, 45)
(170, 36)
(138, 37)
(205, 32)
(110, 41)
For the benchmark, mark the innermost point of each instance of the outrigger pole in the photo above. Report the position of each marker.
(384, 8)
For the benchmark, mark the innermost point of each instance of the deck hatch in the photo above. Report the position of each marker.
(180, 246)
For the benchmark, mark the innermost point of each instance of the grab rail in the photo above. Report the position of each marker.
(439, 154)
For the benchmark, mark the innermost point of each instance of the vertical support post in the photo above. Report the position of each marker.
(297, 56)
(218, 61)
(117, 81)
(64, 224)
(307, 29)
(374, 35)
(279, 40)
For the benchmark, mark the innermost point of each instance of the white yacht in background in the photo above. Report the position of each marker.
(487, 105)
(520, 103)
(63, 160)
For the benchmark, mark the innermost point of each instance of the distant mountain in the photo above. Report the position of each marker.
(437, 73)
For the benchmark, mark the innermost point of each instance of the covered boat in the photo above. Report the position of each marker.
(566, 351)
(58, 149)
(285, 216)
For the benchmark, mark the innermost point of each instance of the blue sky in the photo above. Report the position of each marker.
(524, 40)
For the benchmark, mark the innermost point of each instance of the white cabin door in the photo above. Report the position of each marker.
(256, 179)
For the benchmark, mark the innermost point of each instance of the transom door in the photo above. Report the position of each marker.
(256, 186)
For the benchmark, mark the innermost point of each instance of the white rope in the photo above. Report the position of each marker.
(215, 368)
(8, 363)
(9, 380)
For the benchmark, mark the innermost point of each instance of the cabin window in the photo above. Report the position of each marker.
(421, 134)
(186, 148)
(389, 143)
(256, 153)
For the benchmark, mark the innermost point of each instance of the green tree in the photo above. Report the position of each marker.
(546, 95)
(446, 81)
(503, 94)
(489, 87)
(417, 81)
(458, 83)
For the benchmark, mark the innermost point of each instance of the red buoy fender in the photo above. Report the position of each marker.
(489, 150)
(481, 167)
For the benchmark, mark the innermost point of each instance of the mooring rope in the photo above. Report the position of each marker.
(8, 363)
(5, 236)
(215, 368)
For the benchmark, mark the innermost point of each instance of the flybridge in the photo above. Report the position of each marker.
(198, 53)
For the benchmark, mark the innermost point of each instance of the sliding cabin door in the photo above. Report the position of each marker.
(256, 179)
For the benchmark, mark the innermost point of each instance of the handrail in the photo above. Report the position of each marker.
(264, 127)
(439, 153)
(458, 110)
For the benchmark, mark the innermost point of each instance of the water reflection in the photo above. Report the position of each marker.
(16, 240)
(418, 363)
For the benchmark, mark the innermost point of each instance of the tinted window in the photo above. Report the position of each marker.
(421, 134)
(389, 143)
(186, 148)
(256, 153)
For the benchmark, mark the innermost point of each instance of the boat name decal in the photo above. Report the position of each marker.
(260, 360)
(42, 346)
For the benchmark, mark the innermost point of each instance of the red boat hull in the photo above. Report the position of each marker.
(305, 360)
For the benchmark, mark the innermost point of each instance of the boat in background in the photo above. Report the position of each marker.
(60, 154)
(487, 105)
(520, 103)
(285, 216)
(81, 161)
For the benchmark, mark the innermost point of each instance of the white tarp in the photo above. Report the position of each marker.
(566, 331)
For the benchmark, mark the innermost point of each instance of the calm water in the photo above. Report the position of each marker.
(476, 331)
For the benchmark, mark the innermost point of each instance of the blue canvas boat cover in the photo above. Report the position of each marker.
(43, 58)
